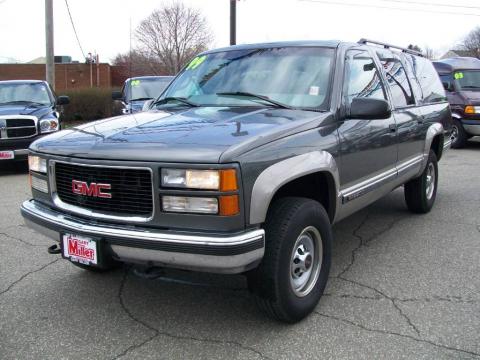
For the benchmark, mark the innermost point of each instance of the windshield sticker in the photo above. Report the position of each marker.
(196, 62)
(458, 75)
(135, 82)
(314, 90)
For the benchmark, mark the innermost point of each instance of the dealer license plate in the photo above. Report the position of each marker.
(80, 249)
(7, 155)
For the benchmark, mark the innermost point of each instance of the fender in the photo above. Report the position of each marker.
(279, 174)
(433, 130)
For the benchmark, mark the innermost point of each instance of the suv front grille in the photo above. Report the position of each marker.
(131, 189)
(15, 128)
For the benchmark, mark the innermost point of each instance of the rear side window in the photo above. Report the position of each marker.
(397, 79)
(427, 76)
(361, 77)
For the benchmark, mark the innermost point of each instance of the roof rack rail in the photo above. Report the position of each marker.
(387, 46)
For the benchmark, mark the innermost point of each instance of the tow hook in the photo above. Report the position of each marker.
(54, 249)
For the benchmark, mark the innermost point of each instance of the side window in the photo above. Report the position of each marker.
(447, 79)
(428, 79)
(361, 77)
(397, 79)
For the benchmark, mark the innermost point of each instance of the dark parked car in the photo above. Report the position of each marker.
(139, 90)
(461, 79)
(244, 163)
(28, 110)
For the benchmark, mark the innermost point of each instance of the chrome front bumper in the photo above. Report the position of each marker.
(219, 253)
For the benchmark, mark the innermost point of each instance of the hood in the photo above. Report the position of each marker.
(38, 111)
(471, 97)
(199, 135)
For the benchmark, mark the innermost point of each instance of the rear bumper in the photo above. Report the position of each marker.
(219, 253)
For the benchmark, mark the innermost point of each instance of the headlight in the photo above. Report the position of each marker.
(49, 125)
(223, 180)
(39, 184)
(37, 164)
(187, 204)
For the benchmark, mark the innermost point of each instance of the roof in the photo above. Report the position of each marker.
(301, 43)
(150, 77)
(457, 63)
(22, 81)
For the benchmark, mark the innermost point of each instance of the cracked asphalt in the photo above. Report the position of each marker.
(402, 286)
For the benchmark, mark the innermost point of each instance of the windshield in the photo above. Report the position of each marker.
(143, 89)
(36, 93)
(294, 76)
(468, 79)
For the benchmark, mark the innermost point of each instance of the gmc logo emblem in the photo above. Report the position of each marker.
(92, 190)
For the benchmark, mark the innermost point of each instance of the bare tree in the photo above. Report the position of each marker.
(174, 34)
(472, 42)
(136, 63)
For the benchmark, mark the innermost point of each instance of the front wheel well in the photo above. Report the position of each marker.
(437, 146)
(319, 186)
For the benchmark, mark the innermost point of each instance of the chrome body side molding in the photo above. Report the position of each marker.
(272, 179)
(367, 191)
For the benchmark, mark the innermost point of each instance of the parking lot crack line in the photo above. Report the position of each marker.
(157, 332)
(363, 242)
(20, 240)
(26, 275)
(348, 322)
(392, 300)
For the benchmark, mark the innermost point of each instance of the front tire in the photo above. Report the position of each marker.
(459, 136)
(420, 193)
(293, 274)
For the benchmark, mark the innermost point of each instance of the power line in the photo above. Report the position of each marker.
(74, 29)
(430, 4)
(386, 7)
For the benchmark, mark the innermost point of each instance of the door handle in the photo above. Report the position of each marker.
(392, 127)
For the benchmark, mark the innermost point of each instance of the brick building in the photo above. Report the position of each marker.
(68, 75)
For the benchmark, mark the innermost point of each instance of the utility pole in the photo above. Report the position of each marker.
(50, 59)
(233, 22)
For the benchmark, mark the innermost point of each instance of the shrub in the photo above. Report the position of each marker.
(87, 105)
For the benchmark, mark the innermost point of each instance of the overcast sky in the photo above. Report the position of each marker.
(103, 25)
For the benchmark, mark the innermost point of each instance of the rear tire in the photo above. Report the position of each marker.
(459, 136)
(420, 193)
(293, 274)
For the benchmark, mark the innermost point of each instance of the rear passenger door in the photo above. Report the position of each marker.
(368, 147)
(407, 116)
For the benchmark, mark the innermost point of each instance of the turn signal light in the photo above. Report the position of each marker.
(228, 180)
(469, 109)
(229, 205)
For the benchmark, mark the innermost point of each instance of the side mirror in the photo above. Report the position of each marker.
(117, 95)
(447, 86)
(369, 109)
(63, 100)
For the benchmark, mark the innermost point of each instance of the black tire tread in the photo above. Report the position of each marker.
(277, 224)
(415, 193)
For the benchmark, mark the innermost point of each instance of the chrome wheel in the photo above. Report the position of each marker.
(454, 135)
(430, 183)
(306, 261)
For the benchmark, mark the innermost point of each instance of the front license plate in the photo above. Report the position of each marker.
(80, 249)
(7, 155)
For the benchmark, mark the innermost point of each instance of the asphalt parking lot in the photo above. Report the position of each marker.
(402, 286)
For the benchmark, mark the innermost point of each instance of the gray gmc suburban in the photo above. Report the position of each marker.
(244, 163)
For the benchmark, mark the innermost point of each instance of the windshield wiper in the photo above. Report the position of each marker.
(256, 96)
(174, 98)
(33, 103)
(470, 87)
(141, 99)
